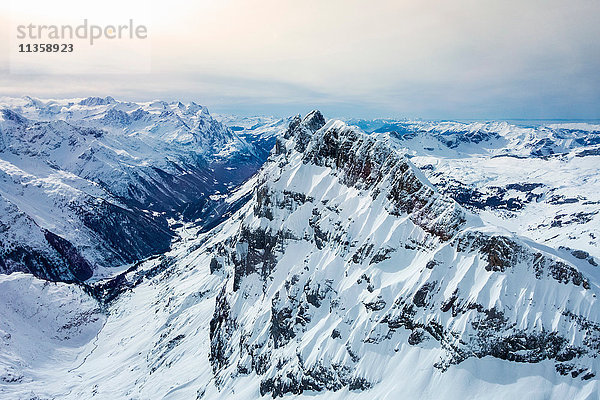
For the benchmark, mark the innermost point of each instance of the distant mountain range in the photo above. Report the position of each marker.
(95, 183)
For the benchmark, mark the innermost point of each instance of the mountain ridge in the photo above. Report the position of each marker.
(107, 177)
(357, 161)
(346, 274)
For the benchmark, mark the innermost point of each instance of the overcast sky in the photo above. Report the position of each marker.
(427, 59)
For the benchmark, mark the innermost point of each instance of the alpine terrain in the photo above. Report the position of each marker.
(95, 183)
(143, 257)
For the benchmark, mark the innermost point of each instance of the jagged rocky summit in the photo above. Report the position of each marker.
(348, 256)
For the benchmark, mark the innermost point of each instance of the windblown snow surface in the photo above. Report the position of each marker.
(346, 275)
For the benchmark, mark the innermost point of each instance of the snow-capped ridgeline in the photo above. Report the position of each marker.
(346, 275)
(541, 182)
(496, 138)
(103, 176)
(349, 256)
(102, 139)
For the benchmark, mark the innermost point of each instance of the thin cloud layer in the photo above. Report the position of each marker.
(429, 59)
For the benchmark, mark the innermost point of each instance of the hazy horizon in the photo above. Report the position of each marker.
(463, 60)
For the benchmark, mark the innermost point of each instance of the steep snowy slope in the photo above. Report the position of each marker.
(44, 327)
(539, 181)
(347, 275)
(349, 253)
(104, 177)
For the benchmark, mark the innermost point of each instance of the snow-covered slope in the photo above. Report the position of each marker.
(44, 329)
(105, 176)
(538, 181)
(259, 131)
(347, 275)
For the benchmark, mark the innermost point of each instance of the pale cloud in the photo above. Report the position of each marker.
(430, 59)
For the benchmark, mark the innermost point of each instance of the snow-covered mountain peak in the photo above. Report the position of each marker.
(340, 216)
(342, 273)
(158, 119)
(95, 171)
(11, 116)
(96, 101)
(364, 162)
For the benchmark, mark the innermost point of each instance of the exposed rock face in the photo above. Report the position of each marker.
(79, 266)
(347, 254)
